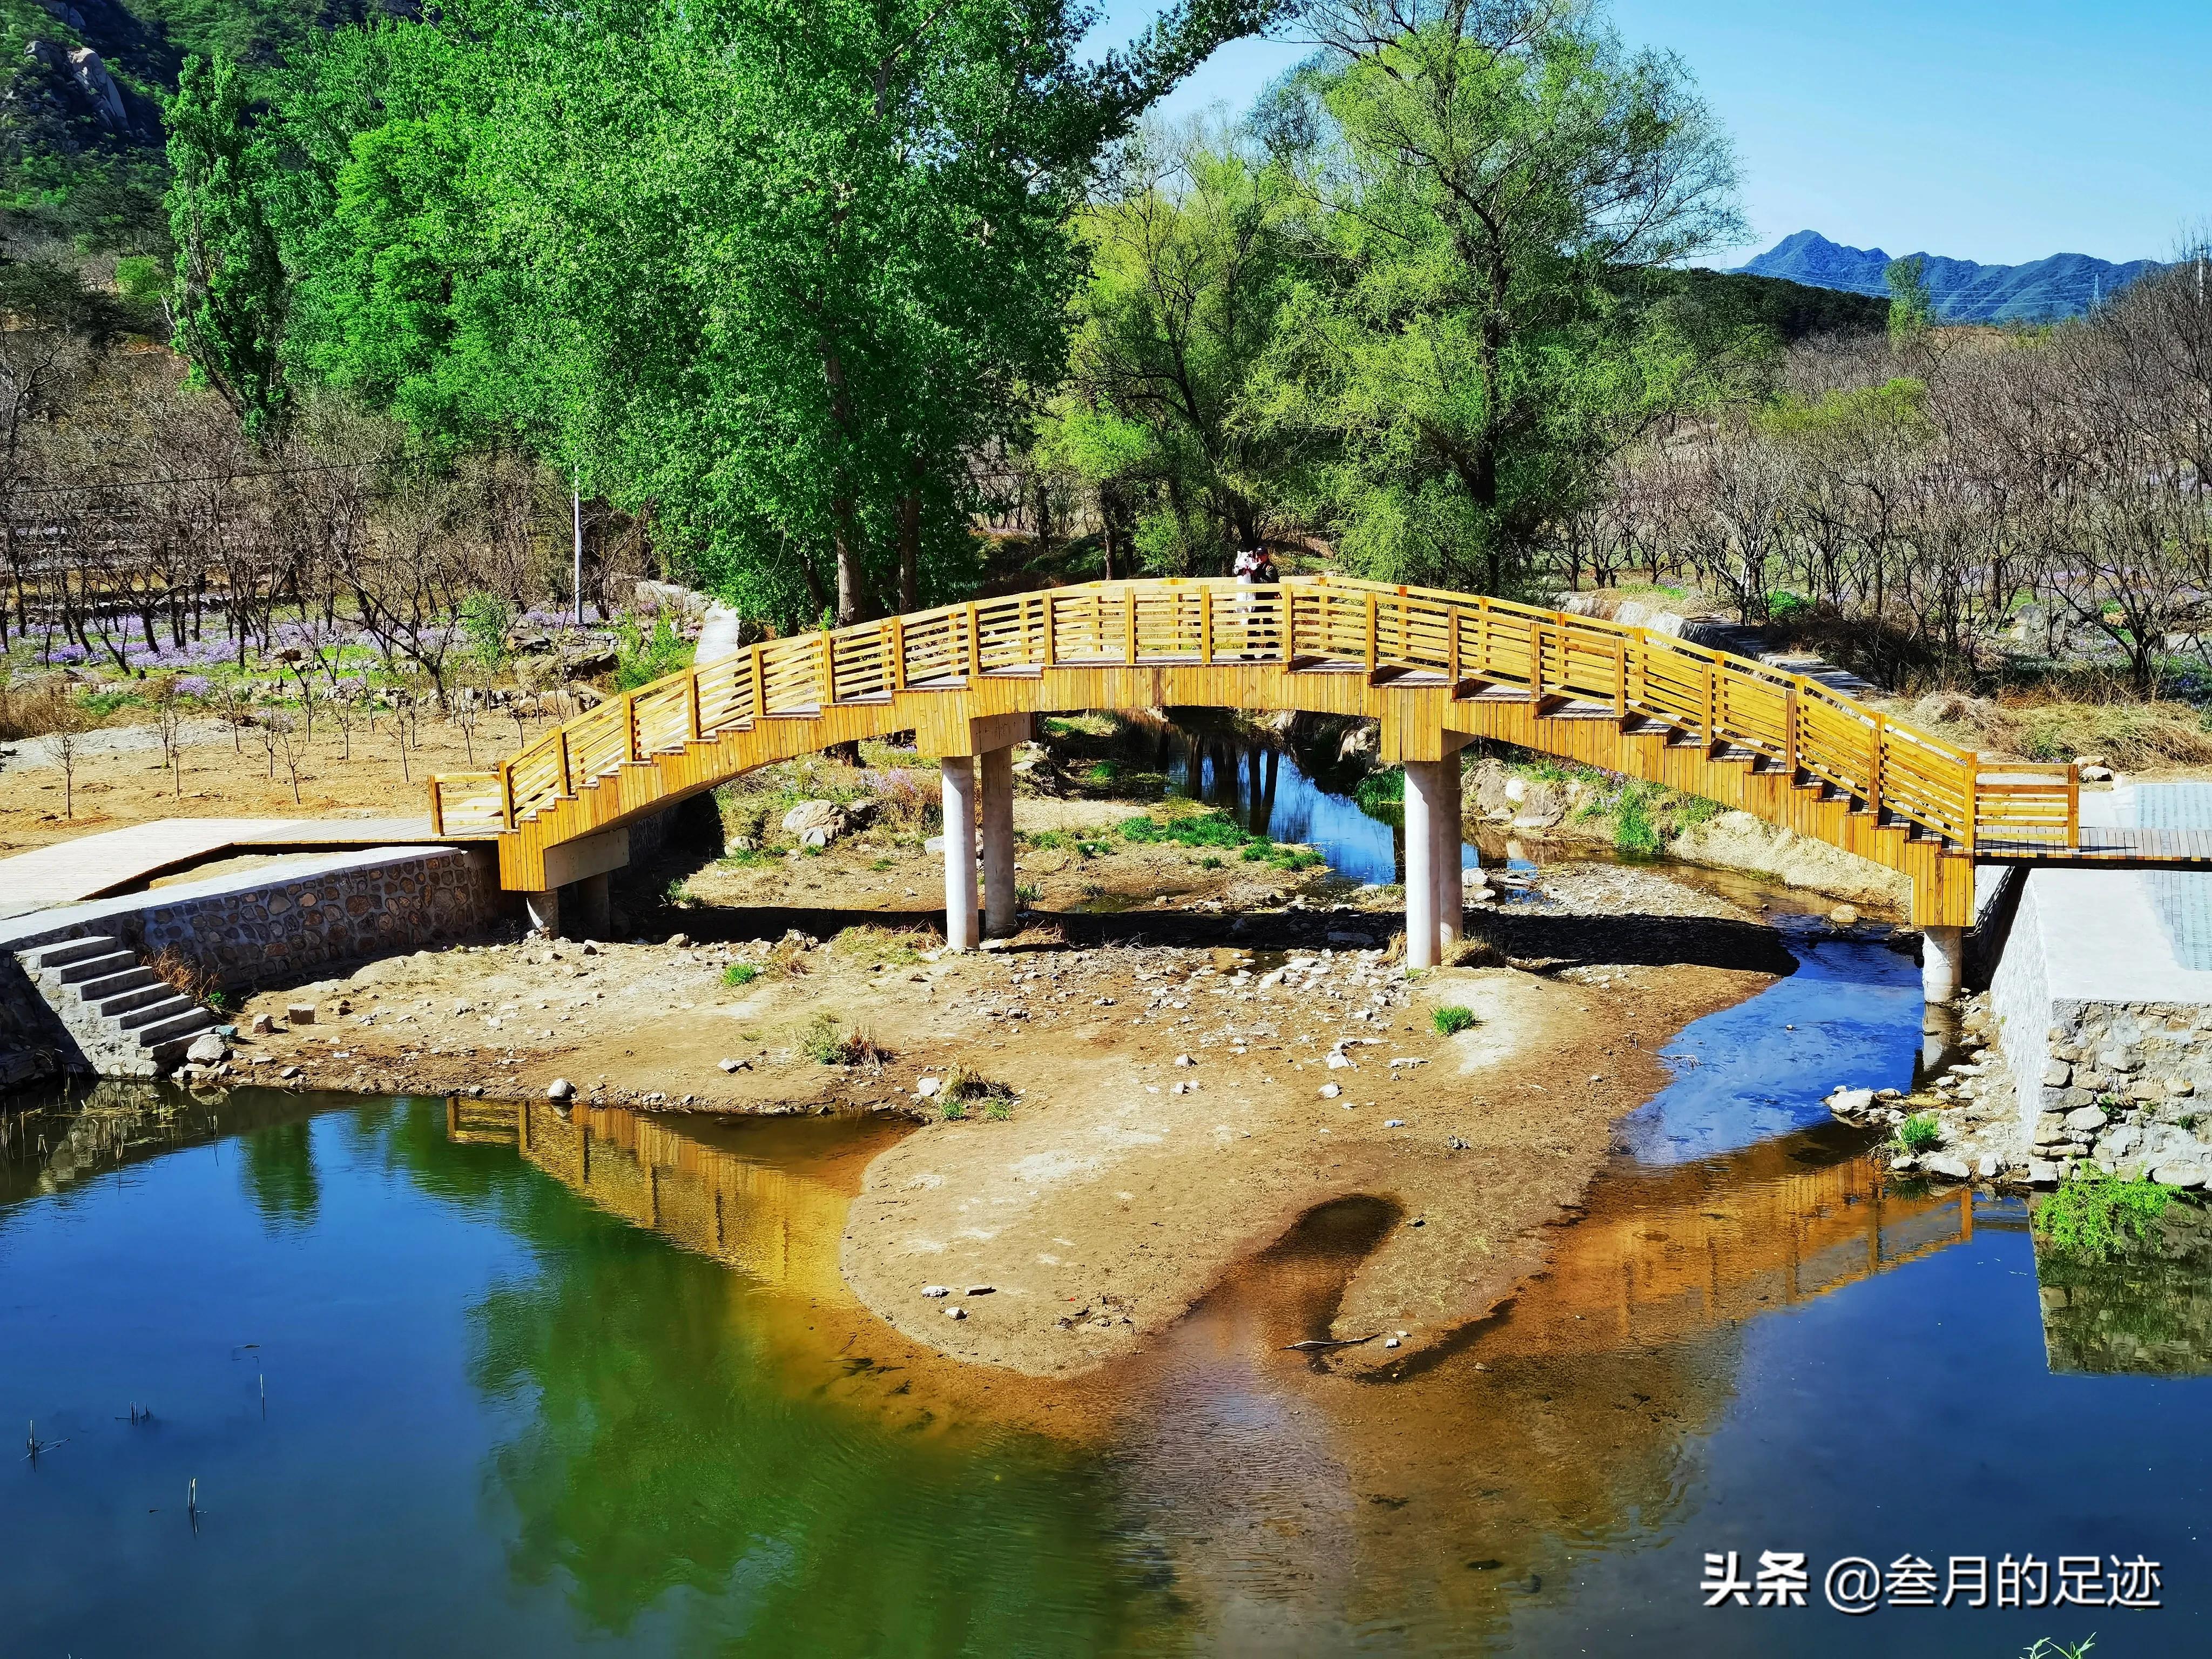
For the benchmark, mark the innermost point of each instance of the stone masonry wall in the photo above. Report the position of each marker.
(2127, 1087)
(279, 931)
(259, 927)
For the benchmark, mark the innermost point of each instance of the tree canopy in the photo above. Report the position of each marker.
(768, 270)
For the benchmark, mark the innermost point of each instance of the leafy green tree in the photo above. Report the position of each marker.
(1192, 256)
(1486, 179)
(231, 289)
(763, 271)
(1911, 307)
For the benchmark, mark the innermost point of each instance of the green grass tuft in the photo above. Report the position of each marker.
(2094, 1213)
(1920, 1133)
(740, 973)
(1451, 1020)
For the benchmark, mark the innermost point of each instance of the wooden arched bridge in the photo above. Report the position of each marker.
(1435, 669)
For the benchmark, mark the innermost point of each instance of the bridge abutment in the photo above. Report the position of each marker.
(1941, 960)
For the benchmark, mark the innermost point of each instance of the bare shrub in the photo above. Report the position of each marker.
(34, 710)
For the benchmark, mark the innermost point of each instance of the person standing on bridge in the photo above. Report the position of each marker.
(1253, 566)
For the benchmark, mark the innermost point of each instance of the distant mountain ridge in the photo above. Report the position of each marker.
(2063, 285)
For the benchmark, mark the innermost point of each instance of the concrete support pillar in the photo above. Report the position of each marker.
(958, 773)
(999, 918)
(1424, 787)
(1942, 962)
(544, 911)
(1451, 886)
(591, 907)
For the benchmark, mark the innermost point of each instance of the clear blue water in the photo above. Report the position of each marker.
(1264, 788)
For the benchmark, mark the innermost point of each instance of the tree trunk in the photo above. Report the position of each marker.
(910, 548)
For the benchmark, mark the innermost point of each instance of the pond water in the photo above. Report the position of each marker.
(482, 1378)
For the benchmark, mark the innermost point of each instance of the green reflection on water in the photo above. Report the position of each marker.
(2144, 1307)
(664, 1448)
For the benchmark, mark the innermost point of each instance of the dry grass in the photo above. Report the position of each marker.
(1042, 936)
(181, 974)
(787, 956)
(34, 710)
(827, 1042)
(1475, 951)
(886, 947)
(963, 1085)
(2128, 735)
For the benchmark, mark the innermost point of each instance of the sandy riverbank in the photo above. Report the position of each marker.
(1120, 1184)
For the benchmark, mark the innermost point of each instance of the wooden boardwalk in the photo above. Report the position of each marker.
(1435, 669)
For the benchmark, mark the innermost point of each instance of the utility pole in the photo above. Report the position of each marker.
(576, 507)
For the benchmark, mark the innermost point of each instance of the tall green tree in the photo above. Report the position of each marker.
(766, 270)
(1192, 255)
(231, 293)
(1911, 306)
(1486, 178)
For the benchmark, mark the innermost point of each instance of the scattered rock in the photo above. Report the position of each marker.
(208, 1049)
(1845, 916)
(559, 1089)
(261, 1025)
(982, 1290)
(1946, 1164)
(937, 1290)
(928, 1086)
(1330, 1091)
(957, 1313)
(301, 1013)
(1184, 1060)
(815, 823)
(678, 941)
(728, 1065)
(1849, 1102)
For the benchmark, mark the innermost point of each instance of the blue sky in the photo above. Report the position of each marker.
(2001, 131)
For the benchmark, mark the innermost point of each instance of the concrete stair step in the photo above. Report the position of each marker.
(86, 969)
(129, 979)
(185, 1026)
(153, 1014)
(113, 1007)
(41, 957)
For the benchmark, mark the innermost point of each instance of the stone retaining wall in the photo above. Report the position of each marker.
(2121, 1086)
(258, 927)
(262, 926)
(2108, 1039)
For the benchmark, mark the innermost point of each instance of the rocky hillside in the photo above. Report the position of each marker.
(81, 156)
(2063, 285)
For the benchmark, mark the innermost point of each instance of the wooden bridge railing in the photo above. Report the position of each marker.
(1730, 703)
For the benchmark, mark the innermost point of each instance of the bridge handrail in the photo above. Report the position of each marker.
(1731, 703)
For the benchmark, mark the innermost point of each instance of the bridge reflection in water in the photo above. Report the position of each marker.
(1294, 1503)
